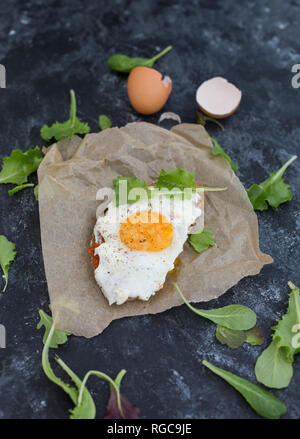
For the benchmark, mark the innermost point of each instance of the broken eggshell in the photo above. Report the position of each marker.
(169, 115)
(218, 98)
(147, 90)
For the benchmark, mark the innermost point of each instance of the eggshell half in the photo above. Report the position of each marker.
(147, 90)
(218, 98)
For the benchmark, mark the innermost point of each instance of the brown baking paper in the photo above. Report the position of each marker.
(69, 177)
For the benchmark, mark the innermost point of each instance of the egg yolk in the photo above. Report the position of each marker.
(146, 231)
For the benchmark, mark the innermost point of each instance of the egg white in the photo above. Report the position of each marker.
(123, 273)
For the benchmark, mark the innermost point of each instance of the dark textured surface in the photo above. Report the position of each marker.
(50, 47)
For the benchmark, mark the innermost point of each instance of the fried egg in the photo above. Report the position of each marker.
(139, 243)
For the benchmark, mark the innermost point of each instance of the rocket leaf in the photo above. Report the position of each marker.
(271, 192)
(124, 64)
(7, 256)
(59, 337)
(262, 402)
(218, 150)
(231, 316)
(202, 240)
(66, 129)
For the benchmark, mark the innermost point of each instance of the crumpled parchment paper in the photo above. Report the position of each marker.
(69, 177)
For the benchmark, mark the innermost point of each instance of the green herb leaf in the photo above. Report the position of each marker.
(66, 129)
(86, 409)
(271, 192)
(254, 336)
(124, 64)
(59, 337)
(218, 150)
(123, 186)
(7, 256)
(272, 368)
(232, 316)
(287, 328)
(236, 338)
(202, 119)
(202, 240)
(18, 166)
(178, 178)
(36, 192)
(262, 402)
(104, 122)
(230, 337)
(19, 188)
(71, 391)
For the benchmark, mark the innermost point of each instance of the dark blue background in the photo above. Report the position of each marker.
(50, 47)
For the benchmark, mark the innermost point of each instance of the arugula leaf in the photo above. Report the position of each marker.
(59, 337)
(272, 368)
(86, 409)
(18, 166)
(202, 240)
(218, 150)
(271, 192)
(124, 64)
(202, 119)
(104, 122)
(236, 338)
(128, 184)
(232, 316)
(7, 256)
(176, 178)
(66, 129)
(262, 402)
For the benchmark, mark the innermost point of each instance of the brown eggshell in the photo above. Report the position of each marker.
(218, 98)
(147, 90)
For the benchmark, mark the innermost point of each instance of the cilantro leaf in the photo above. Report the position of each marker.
(271, 192)
(176, 178)
(18, 166)
(59, 337)
(104, 122)
(124, 185)
(262, 402)
(7, 256)
(66, 129)
(201, 240)
(218, 150)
